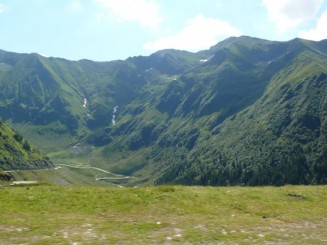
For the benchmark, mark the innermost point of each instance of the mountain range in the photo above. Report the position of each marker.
(246, 111)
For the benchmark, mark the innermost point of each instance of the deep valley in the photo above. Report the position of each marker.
(246, 111)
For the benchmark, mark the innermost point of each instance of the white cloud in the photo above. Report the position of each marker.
(288, 14)
(2, 8)
(76, 5)
(319, 32)
(199, 33)
(145, 12)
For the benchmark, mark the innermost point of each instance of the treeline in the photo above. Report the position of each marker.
(218, 170)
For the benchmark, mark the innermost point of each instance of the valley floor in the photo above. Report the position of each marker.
(64, 174)
(46, 214)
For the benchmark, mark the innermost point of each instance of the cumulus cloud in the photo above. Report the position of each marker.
(319, 32)
(288, 14)
(199, 33)
(145, 12)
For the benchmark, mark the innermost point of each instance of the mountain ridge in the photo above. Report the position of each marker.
(181, 117)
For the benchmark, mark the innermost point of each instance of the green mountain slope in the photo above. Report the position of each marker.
(17, 153)
(246, 111)
(63, 98)
(255, 113)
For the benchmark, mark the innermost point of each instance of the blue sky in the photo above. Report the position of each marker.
(104, 30)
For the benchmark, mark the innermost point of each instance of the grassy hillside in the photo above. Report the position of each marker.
(17, 153)
(163, 215)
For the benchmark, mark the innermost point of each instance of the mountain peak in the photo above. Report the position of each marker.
(244, 40)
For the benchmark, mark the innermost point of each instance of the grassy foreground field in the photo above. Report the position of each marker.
(163, 215)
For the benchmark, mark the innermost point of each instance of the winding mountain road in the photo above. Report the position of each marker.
(119, 176)
(59, 166)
